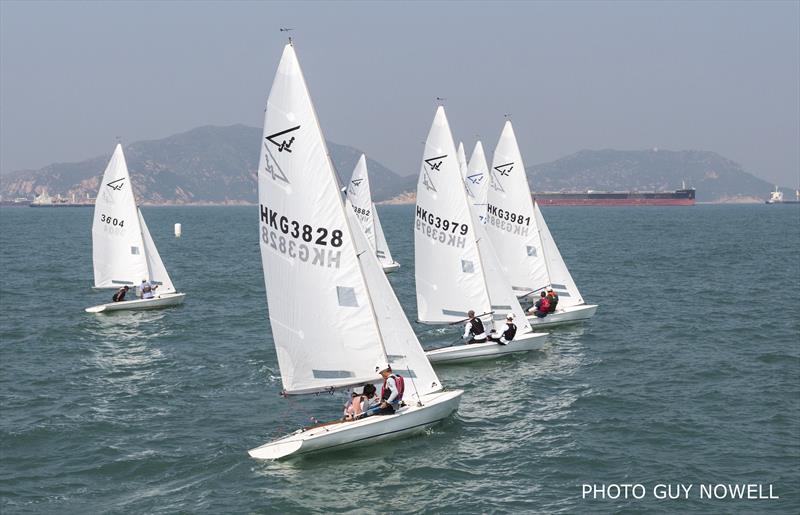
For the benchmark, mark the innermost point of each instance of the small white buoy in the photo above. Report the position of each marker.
(177, 230)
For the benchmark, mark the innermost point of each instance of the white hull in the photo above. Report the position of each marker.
(391, 267)
(159, 301)
(407, 420)
(489, 350)
(569, 315)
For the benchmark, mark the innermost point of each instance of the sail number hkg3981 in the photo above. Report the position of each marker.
(504, 214)
(289, 237)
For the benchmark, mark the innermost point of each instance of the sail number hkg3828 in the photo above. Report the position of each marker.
(290, 238)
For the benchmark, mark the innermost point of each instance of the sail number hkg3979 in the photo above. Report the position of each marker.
(441, 230)
(289, 237)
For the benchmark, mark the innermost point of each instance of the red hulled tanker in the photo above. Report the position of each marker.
(683, 197)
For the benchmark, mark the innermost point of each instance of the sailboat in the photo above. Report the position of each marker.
(456, 268)
(531, 260)
(123, 252)
(312, 247)
(359, 195)
(476, 179)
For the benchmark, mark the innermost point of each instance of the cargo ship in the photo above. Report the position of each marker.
(682, 197)
(45, 200)
(16, 202)
(776, 197)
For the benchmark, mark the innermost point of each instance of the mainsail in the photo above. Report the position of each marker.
(326, 329)
(511, 221)
(448, 269)
(118, 252)
(360, 196)
(477, 181)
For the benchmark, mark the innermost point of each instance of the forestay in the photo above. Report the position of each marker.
(560, 278)
(118, 252)
(157, 272)
(477, 181)
(402, 346)
(511, 221)
(323, 324)
(447, 265)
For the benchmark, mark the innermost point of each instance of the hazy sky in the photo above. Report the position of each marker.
(721, 76)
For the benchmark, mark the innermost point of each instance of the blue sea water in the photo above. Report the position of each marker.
(688, 374)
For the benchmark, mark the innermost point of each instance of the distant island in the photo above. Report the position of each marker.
(217, 165)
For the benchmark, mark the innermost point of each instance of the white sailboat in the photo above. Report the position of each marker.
(123, 252)
(476, 178)
(456, 268)
(531, 260)
(359, 195)
(311, 247)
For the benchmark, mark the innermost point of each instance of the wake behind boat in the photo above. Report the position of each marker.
(456, 268)
(356, 320)
(123, 252)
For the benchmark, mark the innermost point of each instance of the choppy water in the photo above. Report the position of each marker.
(689, 373)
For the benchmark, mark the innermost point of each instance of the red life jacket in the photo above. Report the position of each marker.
(544, 307)
(401, 387)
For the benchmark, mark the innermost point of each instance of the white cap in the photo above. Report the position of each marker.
(380, 367)
(510, 315)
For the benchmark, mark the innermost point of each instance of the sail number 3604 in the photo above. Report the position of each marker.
(116, 222)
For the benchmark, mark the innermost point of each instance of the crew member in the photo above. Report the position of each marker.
(552, 297)
(147, 289)
(542, 306)
(508, 334)
(391, 391)
(120, 295)
(473, 329)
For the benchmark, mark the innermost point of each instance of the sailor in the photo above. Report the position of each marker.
(391, 391)
(147, 289)
(552, 297)
(120, 295)
(473, 329)
(542, 306)
(360, 402)
(508, 334)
